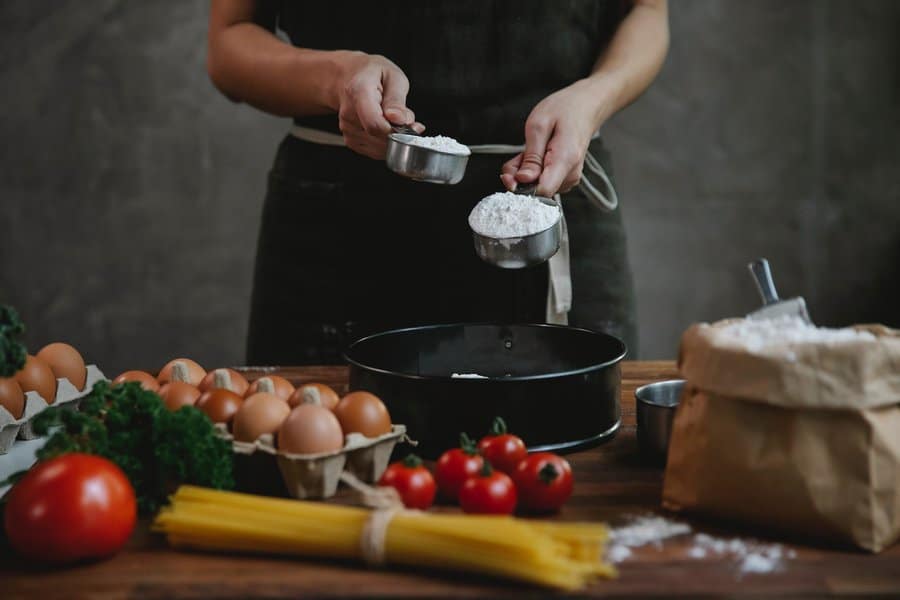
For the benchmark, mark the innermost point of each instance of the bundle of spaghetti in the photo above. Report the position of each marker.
(560, 555)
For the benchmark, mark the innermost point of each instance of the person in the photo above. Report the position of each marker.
(346, 247)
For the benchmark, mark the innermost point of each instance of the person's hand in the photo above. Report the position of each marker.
(371, 95)
(557, 134)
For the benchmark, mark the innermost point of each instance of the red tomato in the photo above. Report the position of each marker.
(71, 508)
(412, 481)
(455, 466)
(503, 450)
(489, 492)
(544, 481)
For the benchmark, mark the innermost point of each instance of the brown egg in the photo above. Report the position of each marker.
(36, 376)
(365, 413)
(327, 396)
(147, 381)
(261, 413)
(65, 361)
(196, 373)
(176, 394)
(219, 404)
(282, 387)
(310, 429)
(237, 383)
(12, 398)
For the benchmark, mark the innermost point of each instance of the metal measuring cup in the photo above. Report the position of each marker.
(525, 251)
(420, 163)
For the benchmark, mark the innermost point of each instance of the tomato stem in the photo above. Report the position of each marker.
(467, 444)
(499, 426)
(412, 461)
(486, 469)
(548, 473)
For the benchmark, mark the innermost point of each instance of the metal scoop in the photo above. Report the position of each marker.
(420, 163)
(773, 306)
(524, 251)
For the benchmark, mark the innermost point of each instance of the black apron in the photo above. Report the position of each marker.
(347, 248)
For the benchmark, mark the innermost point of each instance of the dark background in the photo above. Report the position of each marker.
(131, 190)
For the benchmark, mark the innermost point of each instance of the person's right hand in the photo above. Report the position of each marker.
(371, 96)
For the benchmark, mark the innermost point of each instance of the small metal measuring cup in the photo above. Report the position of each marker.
(656, 404)
(420, 163)
(524, 251)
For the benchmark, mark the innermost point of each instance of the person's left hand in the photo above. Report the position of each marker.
(557, 134)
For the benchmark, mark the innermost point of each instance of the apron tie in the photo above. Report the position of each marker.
(559, 285)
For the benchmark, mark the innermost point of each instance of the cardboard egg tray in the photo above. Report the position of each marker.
(312, 475)
(66, 394)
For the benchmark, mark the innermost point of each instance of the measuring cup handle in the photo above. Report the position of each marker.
(405, 129)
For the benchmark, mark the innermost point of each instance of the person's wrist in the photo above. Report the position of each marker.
(342, 65)
(600, 93)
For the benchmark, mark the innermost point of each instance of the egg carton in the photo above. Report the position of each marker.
(317, 475)
(66, 394)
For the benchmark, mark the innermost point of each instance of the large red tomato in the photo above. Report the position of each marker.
(73, 507)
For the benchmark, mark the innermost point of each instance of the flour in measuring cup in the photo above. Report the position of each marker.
(441, 143)
(510, 215)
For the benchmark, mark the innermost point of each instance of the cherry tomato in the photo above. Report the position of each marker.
(488, 492)
(503, 450)
(455, 466)
(412, 481)
(70, 508)
(544, 481)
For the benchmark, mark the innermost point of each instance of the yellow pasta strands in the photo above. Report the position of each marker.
(560, 555)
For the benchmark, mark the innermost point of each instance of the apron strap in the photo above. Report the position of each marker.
(559, 288)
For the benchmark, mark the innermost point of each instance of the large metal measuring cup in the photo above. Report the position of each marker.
(525, 251)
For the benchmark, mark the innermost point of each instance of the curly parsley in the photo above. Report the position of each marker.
(156, 448)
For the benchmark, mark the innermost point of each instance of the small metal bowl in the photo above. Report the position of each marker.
(656, 404)
(423, 164)
(519, 252)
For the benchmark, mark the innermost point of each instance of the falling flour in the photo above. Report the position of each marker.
(510, 215)
(441, 143)
(760, 334)
(749, 556)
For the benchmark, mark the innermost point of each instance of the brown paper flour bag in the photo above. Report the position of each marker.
(790, 428)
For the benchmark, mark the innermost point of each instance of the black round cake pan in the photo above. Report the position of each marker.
(557, 387)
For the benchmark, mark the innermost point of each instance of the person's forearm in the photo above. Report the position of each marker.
(632, 59)
(250, 64)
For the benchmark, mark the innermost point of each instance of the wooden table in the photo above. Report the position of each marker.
(612, 483)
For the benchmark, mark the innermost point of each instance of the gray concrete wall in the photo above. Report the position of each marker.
(130, 190)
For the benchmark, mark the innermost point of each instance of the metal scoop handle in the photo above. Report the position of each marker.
(530, 189)
(762, 275)
(404, 129)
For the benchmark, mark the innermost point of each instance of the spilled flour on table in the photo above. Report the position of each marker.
(750, 556)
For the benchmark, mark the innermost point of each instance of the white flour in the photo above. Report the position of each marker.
(440, 143)
(647, 530)
(756, 335)
(468, 376)
(749, 556)
(510, 215)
